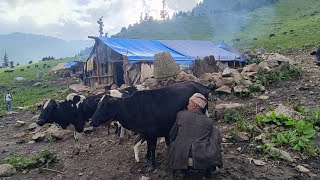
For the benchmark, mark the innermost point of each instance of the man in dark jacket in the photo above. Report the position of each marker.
(195, 142)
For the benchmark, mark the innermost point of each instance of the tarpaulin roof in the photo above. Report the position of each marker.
(182, 51)
(69, 64)
(195, 49)
(142, 50)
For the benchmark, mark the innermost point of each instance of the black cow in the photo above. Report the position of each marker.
(9, 71)
(318, 56)
(150, 113)
(36, 66)
(21, 69)
(272, 35)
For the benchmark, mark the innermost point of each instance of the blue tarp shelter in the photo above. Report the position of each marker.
(142, 50)
(117, 60)
(195, 49)
(69, 64)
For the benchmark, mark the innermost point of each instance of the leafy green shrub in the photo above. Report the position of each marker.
(245, 126)
(274, 118)
(297, 138)
(21, 162)
(284, 72)
(296, 134)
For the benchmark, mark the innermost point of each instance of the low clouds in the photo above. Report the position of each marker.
(76, 19)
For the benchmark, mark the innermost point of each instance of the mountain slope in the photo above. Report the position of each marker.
(295, 24)
(22, 47)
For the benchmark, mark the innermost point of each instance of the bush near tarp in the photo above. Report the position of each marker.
(164, 66)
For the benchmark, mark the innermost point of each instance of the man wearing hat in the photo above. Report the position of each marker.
(195, 142)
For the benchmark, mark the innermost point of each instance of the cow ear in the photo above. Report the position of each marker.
(97, 100)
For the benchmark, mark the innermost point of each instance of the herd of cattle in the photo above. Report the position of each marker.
(150, 113)
(22, 69)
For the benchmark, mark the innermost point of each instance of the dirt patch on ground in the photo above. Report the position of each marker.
(106, 159)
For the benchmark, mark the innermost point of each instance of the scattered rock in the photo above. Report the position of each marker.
(242, 136)
(218, 80)
(7, 170)
(52, 129)
(280, 58)
(31, 142)
(302, 169)
(19, 135)
(285, 155)
(192, 77)
(258, 162)
(262, 88)
(228, 107)
(281, 109)
(80, 174)
(263, 97)
(38, 136)
(37, 84)
(260, 137)
(62, 134)
(182, 76)
(144, 178)
(247, 83)
(206, 76)
(32, 126)
(250, 68)
(19, 78)
(240, 89)
(20, 123)
(224, 89)
(229, 81)
(227, 72)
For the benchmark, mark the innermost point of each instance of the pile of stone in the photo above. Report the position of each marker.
(226, 81)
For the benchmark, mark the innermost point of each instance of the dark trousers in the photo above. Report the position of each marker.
(8, 105)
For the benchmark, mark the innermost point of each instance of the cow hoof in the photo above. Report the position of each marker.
(76, 151)
(150, 168)
(120, 142)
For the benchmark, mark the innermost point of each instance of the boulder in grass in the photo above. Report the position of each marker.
(164, 66)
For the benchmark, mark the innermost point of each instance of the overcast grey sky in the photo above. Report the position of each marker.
(76, 19)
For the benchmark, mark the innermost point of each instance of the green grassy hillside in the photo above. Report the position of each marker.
(24, 94)
(300, 17)
(295, 24)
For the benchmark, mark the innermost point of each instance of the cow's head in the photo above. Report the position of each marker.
(105, 112)
(48, 110)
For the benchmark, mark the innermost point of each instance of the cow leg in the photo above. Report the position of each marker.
(108, 129)
(79, 126)
(148, 155)
(153, 144)
(167, 139)
(136, 148)
(122, 132)
(77, 137)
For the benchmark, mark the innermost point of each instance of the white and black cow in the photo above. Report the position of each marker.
(151, 113)
(75, 110)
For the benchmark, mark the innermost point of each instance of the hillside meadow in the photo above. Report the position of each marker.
(25, 96)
